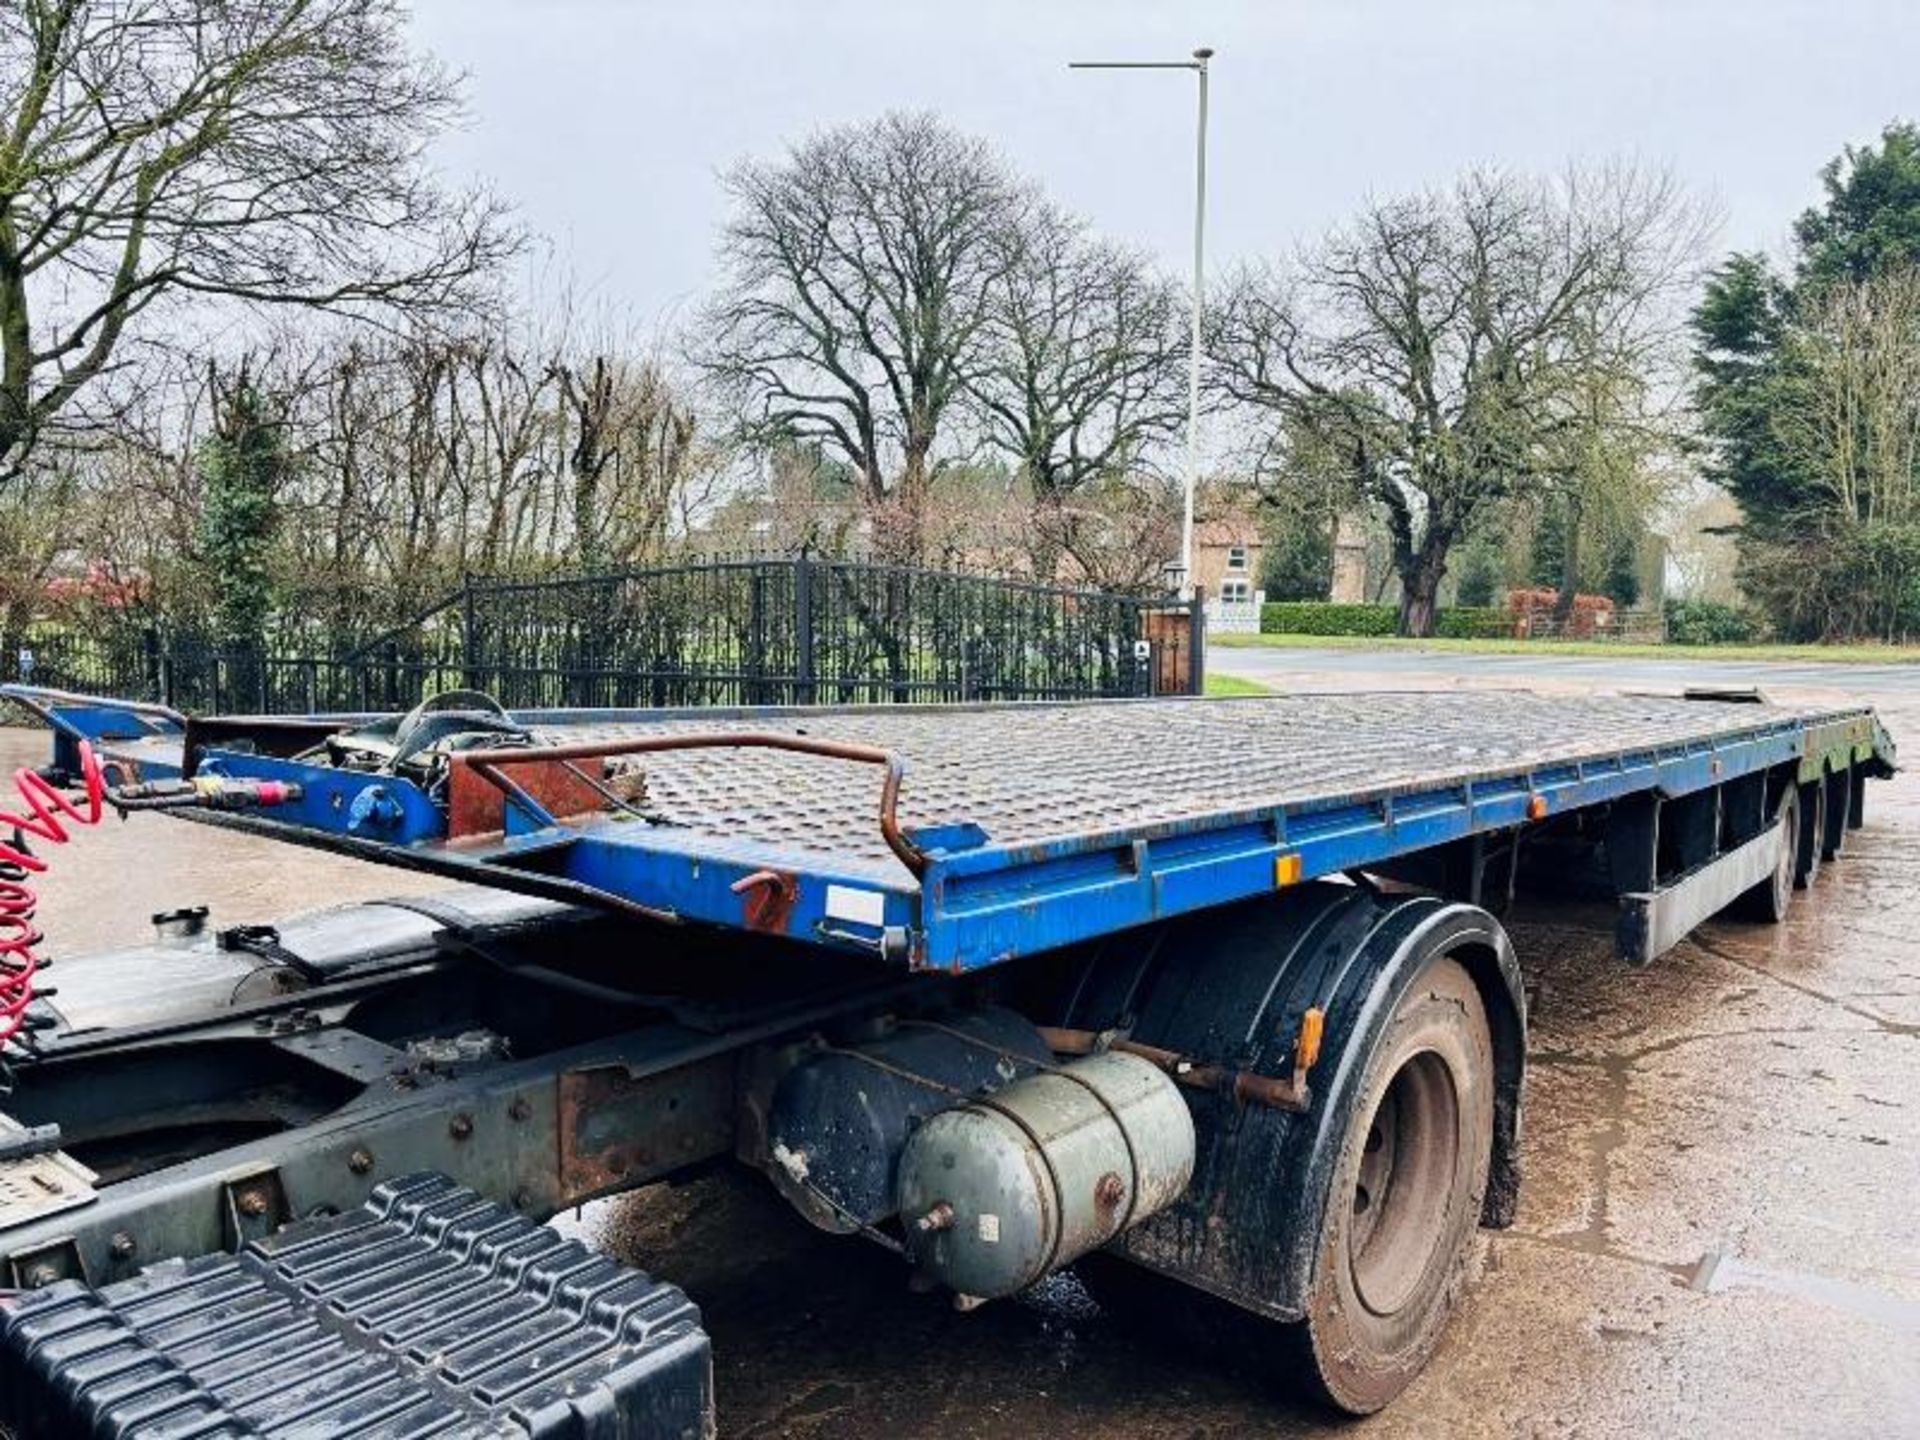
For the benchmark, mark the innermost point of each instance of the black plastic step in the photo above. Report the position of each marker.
(429, 1312)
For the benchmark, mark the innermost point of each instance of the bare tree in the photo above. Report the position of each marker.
(1849, 562)
(587, 391)
(860, 273)
(1081, 373)
(632, 447)
(1119, 531)
(1437, 343)
(1853, 425)
(263, 151)
(409, 459)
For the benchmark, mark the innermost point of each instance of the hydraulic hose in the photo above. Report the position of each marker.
(47, 812)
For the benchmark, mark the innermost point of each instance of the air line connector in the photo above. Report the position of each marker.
(203, 792)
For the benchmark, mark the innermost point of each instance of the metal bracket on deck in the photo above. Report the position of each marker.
(489, 766)
(253, 1205)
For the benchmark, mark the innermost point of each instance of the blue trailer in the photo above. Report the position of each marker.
(1207, 998)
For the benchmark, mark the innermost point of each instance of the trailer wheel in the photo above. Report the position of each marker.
(1769, 901)
(1810, 841)
(1406, 1198)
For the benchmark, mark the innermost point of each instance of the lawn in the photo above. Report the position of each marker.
(1840, 654)
(1234, 685)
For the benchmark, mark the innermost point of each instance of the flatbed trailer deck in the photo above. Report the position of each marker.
(1207, 998)
(1024, 827)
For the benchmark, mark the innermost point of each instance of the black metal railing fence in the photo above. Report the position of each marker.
(752, 630)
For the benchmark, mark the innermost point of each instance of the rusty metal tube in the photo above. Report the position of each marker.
(488, 764)
(1242, 1085)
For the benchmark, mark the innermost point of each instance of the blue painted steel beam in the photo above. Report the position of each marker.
(985, 906)
(980, 904)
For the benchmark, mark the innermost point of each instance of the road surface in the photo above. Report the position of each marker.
(1386, 668)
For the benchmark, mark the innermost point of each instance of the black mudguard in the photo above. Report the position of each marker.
(1230, 986)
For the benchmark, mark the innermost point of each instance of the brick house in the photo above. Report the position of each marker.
(1226, 565)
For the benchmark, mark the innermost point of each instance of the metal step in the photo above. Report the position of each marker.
(429, 1312)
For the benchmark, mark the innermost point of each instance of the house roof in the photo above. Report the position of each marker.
(1226, 530)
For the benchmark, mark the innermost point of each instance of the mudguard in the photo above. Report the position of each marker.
(1231, 986)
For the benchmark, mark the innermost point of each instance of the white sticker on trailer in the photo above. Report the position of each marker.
(859, 907)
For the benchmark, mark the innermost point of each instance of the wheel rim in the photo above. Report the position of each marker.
(1403, 1185)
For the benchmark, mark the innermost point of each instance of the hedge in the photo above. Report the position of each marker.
(1320, 617)
(1313, 617)
(1475, 622)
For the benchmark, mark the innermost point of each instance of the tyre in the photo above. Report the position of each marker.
(1406, 1199)
(1811, 841)
(1357, 1222)
(1769, 901)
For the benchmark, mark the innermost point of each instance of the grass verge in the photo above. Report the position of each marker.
(1235, 685)
(1832, 654)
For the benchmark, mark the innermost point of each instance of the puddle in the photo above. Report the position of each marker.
(1721, 1270)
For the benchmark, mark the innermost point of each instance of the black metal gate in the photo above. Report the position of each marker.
(788, 630)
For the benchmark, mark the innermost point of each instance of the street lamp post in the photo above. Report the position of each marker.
(1198, 65)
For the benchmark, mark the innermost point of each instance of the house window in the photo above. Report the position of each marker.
(1235, 592)
(1237, 558)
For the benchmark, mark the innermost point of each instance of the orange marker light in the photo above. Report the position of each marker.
(1536, 807)
(1286, 870)
(1306, 1049)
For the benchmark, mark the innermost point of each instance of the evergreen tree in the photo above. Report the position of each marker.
(1482, 563)
(242, 467)
(1622, 584)
(1871, 218)
(1777, 356)
(1298, 555)
(1738, 327)
(1549, 565)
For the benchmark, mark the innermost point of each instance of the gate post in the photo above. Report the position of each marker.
(150, 648)
(469, 635)
(1197, 642)
(803, 627)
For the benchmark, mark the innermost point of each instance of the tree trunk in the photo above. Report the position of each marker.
(900, 521)
(1569, 562)
(1046, 543)
(1420, 588)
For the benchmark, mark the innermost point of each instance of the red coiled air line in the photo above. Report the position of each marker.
(46, 805)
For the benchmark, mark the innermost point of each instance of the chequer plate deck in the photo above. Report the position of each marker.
(1041, 824)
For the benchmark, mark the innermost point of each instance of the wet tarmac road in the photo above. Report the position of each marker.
(1390, 669)
(1718, 1234)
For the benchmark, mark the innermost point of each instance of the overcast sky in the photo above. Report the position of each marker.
(607, 122)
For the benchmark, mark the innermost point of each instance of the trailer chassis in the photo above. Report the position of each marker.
(1292, 969)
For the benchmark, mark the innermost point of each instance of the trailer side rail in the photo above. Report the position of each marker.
(954, 892)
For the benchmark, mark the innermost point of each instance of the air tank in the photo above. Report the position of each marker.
(999, 1191)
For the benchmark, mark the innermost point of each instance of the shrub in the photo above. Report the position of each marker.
(1461, 622)
(1709, 622)
(1475, 622)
